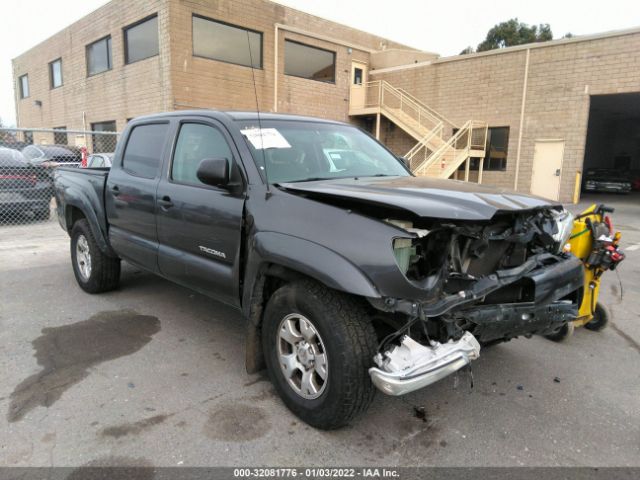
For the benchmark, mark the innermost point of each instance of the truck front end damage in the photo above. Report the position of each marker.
(483, 282)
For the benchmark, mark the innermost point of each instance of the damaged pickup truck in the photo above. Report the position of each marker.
(352, 273)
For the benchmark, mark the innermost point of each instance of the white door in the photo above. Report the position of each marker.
(547, 168)
(358, 80)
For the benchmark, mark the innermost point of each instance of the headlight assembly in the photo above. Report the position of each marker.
(564, 222)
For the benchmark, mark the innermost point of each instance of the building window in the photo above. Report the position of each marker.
(226, 43)
(304, 61)
(60, 137)
(55, 73)
(143, 154)
(28, 137)
(197, 142)
(141, 40)
(24, 86)
(495, 158)
(497, 149)
(99, 56)
(103, 143)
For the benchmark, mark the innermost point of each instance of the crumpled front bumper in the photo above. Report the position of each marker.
(411, 366)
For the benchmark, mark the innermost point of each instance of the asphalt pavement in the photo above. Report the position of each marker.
(153, 374)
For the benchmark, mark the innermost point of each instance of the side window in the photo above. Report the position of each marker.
(143, 154)
(197, 142)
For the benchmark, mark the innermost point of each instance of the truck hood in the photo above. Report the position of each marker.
(423, 196)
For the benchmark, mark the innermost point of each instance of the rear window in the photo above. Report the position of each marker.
(143, 154)
(11, 158)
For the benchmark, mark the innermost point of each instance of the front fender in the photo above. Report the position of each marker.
(313, 260)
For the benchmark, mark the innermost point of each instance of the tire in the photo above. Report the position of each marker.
(340, 332)
(103, 272)
(561, 335)
(600, 319)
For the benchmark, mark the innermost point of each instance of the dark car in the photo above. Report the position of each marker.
(23, 191)
(50, 156)
(606, 180)
(352, 273)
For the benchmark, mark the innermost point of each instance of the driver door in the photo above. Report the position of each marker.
(199, 226)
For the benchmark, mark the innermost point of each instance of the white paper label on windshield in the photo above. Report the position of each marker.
(263, 138)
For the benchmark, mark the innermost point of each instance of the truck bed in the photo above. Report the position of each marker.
(82, 188)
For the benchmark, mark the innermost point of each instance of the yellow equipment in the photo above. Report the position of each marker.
(593, 241)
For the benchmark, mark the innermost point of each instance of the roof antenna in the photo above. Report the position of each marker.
(255, 92)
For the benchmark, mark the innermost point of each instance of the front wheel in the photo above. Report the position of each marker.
(600, 318)
(319, 345)
(95, 272)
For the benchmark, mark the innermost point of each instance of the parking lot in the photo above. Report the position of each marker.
(153, 374)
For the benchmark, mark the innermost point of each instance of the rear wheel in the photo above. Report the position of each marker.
(600, 318)
(562, 334)
(319, 345)
(95, 272)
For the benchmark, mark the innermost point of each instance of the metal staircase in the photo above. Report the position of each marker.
(432, 155)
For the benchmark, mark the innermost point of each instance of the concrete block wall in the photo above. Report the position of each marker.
(123, 92)
(562, 76)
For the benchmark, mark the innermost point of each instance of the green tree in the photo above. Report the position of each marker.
(512, 32)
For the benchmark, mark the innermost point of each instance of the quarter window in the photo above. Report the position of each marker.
(143, 154)
(99, 56)
(197, 142)
(141, 40)
(304, 61)
(24, 86)
(227, 43)
(55, 73)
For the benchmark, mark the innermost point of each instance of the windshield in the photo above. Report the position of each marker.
(298, 151)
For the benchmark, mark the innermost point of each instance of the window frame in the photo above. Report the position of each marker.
(335, 61)
(163, 153)
(21, 87)
(51, 76)
(221, 22)
(125, 37)
(109, 55)
(235, 162)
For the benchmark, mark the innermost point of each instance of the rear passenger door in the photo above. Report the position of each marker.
(199, 226)
(130, 196)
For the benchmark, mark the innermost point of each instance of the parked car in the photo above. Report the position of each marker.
(99, 160)
(606, 180)
(23, 193)
(351, 276)
(51, 156)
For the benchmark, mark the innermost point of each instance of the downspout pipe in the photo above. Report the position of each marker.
(521, 128)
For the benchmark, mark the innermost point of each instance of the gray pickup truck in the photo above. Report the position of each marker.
(352, 273)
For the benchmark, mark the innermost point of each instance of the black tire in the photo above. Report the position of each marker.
(348, 340)
(104, 270)
(562, 334)
(600, 319)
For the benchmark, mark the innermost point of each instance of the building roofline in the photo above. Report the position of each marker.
(516, 48)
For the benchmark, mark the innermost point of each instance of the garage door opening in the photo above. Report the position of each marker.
(612, 150)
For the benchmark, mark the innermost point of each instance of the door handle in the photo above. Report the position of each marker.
(165, 203)
(557, 172)
(115, 190)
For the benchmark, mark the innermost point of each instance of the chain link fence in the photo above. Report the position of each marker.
(28, 158)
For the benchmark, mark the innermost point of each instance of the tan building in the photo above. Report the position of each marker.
(541, 113)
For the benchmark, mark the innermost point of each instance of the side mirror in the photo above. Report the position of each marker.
(214, 171)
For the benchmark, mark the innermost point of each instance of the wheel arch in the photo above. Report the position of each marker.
(275, 259)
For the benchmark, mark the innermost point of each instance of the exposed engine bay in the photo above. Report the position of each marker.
(487, 282)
